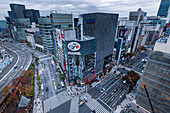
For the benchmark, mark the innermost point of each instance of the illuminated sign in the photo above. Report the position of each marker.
(74, 53)
(73, 46)
(90, 21)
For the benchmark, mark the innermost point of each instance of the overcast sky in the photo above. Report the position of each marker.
(122, 7)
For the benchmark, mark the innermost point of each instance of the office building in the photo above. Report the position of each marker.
(163, 8)
(46, 33)
(17, 10)
(137, 16)
(102, 26)
(157, 79)
(62, 21)
(21, 25)
(32, 14)
(11, 17)
(3, 26)
(81, 59)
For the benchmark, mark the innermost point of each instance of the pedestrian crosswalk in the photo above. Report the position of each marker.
(94, 105)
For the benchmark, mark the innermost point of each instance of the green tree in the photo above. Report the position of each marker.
(36, 60)
(38, 78)
(62, 77)
(38, 83)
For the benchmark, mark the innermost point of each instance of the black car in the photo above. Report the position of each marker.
(47, 89)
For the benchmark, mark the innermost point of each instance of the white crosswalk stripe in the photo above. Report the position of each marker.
(94, 105)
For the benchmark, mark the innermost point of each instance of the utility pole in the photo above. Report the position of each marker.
(148, 98)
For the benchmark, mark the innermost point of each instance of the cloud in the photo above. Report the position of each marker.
(123, 7)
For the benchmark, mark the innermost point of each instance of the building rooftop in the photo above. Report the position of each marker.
(163, 45)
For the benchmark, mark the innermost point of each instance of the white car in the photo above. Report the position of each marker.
(102, 90)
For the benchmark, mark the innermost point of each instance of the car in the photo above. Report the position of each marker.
(124, 81)
(59, 86)
(47, 89)
(115, 90)
(93, 111)
(102, 90)
(142, 71)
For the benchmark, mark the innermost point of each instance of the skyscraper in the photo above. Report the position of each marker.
(32, 14)
(62, 21)
(102, 26)
(46, 33)
(17, 10)
(156, 76)
(163, 8)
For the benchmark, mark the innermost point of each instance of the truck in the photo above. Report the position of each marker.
(83, 101)
(62, 84)
(42, 87)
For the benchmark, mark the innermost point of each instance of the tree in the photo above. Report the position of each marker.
(38, 83)
(110, 68)
(100, 75)
(38, 77)
(62, 77)
(105, 71)
(36, 60)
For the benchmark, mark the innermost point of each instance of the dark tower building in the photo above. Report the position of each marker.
(32, 14)
(102, 26)
(17, 10)
(163, 8)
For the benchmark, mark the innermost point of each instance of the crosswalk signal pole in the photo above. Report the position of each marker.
(148, 98)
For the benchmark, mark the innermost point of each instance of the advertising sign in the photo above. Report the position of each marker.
(59, 40)
(73, 46)
(122, 32)
(90, 21)
(118, 50)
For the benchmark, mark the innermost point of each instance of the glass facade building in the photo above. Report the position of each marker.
(163, 8)
(157, 79)
(46, 33)
(32, 14)
(17, 10)
(62, 21)
(102, 26)
(21, 25)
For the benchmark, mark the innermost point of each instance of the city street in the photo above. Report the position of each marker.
(136, 63)
(24, 61)
(8, 68)
(49, 78)
(113, 93)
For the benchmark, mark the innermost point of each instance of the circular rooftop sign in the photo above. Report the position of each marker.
(73, 46)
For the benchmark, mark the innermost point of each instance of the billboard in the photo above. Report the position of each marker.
(81, 47)
(92, 21)
(73, 46)
(122, 32)
(118, 49)
(59, 38)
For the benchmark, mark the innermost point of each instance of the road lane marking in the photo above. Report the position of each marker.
(112, 91)
(114, 94)
(17, 70)
(12, 67)
(97, 95)
(117, 96)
